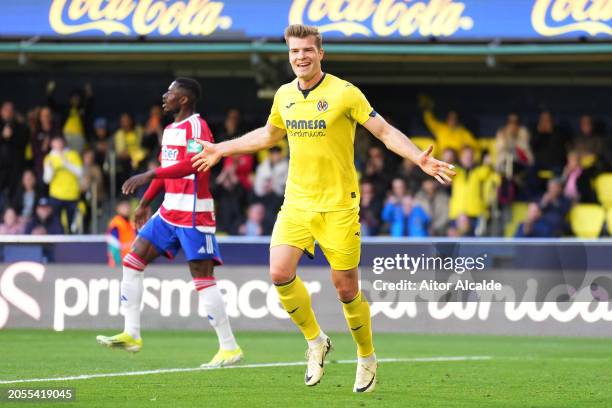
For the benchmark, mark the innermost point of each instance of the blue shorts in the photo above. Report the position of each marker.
(168, 239)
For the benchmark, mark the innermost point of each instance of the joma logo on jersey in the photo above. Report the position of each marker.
(169, 154)
(305, 124)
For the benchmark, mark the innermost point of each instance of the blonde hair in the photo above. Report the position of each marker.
(303, 31)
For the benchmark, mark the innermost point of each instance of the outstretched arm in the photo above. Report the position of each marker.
(258, 139)
(181, 169)
(401, 145)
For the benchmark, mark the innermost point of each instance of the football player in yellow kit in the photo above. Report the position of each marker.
(319, 112)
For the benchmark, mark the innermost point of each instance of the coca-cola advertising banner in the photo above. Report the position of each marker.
(338, 19)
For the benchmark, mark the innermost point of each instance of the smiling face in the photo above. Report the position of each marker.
(305, 57)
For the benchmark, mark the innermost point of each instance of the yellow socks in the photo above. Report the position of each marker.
(296, 301)
(357, 314)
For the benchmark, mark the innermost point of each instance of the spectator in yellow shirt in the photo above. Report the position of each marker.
(467, 196)
(62, 171)
(449, 134)
(75, 115)
(128, 141)
(128, 146)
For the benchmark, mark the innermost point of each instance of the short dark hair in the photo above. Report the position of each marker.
(191, 86)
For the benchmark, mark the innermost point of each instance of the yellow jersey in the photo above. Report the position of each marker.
(320, 123)
(468, 195)
(447, 137)
(74, 124)
(65, 184)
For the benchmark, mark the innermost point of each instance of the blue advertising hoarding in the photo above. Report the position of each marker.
(345, 20)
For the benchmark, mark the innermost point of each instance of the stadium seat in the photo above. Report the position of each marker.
(609, 220)
(603, 188)
(519, 214)
(587, 220)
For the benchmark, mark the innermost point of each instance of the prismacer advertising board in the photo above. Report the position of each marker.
(75, 296)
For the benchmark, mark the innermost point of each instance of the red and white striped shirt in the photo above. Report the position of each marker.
(187, 201)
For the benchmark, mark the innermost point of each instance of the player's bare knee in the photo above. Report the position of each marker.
(346, 283)
(144, 250)
(201, 269)
(281, 274)
(346, 293)
(283, 263)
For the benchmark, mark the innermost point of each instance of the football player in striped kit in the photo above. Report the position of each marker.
(185, 220)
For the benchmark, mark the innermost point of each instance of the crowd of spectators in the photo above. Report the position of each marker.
(61, 161)
(548, 169)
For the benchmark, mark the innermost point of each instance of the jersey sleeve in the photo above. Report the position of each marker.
(198, 130)
(358, 107)
(181, 169)
(275, 118)
(153, 190)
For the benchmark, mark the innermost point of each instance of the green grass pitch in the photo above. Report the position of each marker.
(522, 371)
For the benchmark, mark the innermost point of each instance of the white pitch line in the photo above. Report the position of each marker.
(262, 365)
(421, 359)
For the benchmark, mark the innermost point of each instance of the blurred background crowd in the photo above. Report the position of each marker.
(62, 164)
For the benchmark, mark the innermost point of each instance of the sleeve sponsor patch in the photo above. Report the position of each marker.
(193, 146)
